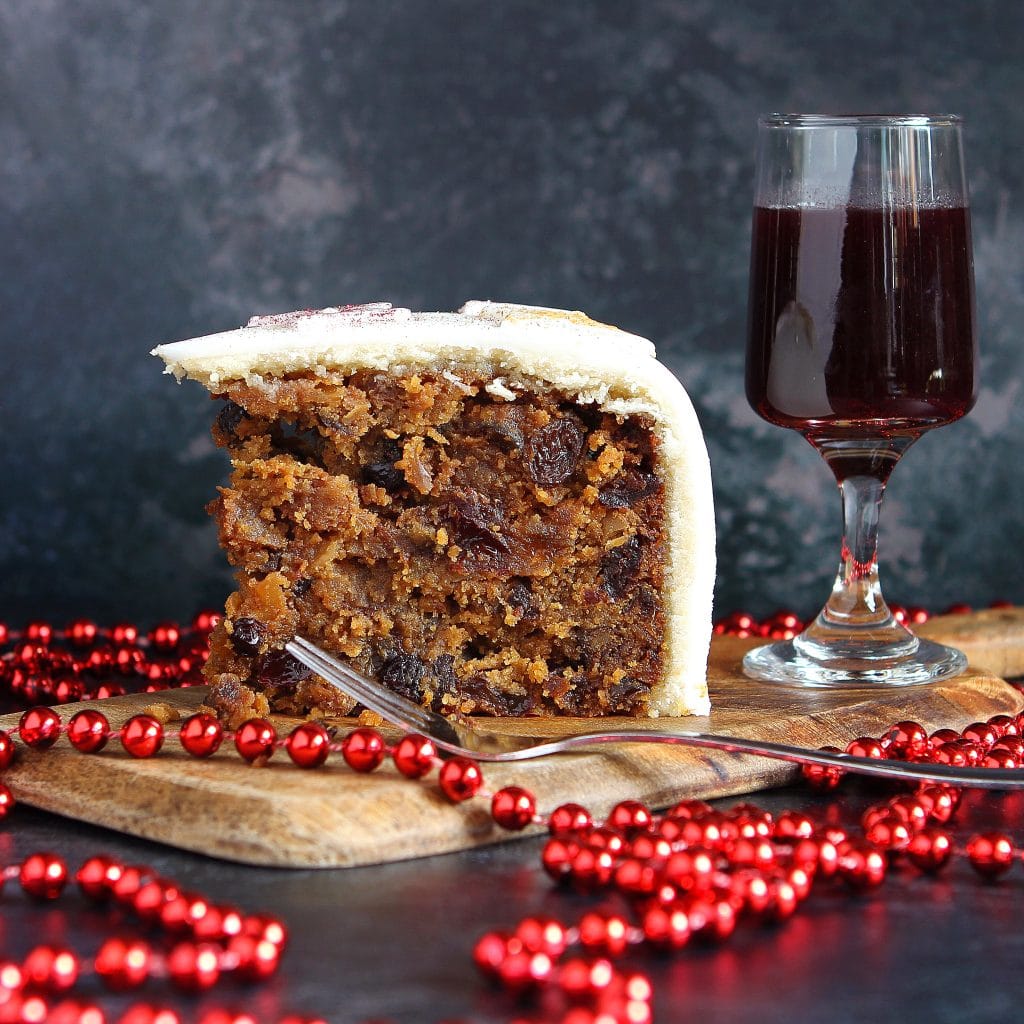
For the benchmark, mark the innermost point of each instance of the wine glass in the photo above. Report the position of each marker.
(861, 337)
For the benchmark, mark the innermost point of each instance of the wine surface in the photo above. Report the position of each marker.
(861, 319)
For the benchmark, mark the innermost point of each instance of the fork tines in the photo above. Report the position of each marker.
(373, 695)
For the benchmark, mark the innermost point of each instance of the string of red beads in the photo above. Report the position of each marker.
(692, 873)
(205, 942)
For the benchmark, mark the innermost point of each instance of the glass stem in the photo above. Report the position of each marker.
(856, 608)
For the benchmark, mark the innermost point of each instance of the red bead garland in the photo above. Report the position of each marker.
(691, 873)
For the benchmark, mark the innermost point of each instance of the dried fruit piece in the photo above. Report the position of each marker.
(403, 673)
(620, 567)
(248, 635)
(280, 670)
(628, 488)
(553, 451)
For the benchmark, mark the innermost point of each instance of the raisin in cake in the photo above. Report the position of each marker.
(503, 510)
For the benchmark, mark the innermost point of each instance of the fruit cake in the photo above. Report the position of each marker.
(505, 510)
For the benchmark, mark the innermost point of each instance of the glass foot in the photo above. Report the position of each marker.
(794, 664)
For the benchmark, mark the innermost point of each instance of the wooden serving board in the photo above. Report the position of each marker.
(332, 817)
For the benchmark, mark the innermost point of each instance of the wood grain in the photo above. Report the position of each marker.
(331, 817)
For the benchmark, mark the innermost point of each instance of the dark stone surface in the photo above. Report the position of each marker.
(393, 943)
(170, 169)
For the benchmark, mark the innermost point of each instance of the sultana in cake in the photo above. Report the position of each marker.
(505, 510)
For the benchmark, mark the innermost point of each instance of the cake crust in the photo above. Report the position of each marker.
(495, 359)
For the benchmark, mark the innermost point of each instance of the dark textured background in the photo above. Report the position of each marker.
(169, 169)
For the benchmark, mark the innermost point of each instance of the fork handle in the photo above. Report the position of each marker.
(977, 778)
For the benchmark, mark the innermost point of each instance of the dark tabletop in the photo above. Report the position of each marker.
(394, 942)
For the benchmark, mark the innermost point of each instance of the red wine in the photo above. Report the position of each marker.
(861, 319)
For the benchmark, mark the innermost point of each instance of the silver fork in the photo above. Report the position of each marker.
(458, 735)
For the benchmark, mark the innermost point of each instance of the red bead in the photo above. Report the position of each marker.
(6, 750)
(801, 879)
(123, 963)
(150, 897)
(907, 740)
(128, 660)
(865, 746)
(667, 927)
(542, 935)
(752, 853)
(944, 800)
(165, 636)
(129, 881)
(255, 740)
(782, 899)
(142, 736)
(256, 958)
(124, 633)
(912, 810)
(709, 918)
(629, 817)
(513, 808)
(308, 745)
(460, 778)
(889, 832)
(1005, 725)
(930, 849)
(414, 755)
(793, 825)
(206, 621)
(601, 838)
(201, 735)
(591, 869)
(557, 856)
(490, 951)
(81, 632)
(265, 928)
(97, 875)
(569, 819)
(635, 877)
(521, 970)
(50, 968)
(860, 865)
(88, 731)
(68, 690)
(363, 749)
(43, 875)
(604, 933)
(822, 778)
(998, 757)
(750, 891)
(7, 801)
(11, 979)
(39, 632)
(991, 854)
(941, 736)
(39, 728)
(953, 753)
(1012, 745)
(194, 967)
(981, 733)
(689, 869)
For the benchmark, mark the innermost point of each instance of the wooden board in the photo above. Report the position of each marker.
(331, 817)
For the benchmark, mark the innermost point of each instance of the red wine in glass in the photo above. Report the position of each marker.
(861, 337)
(861, 316)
